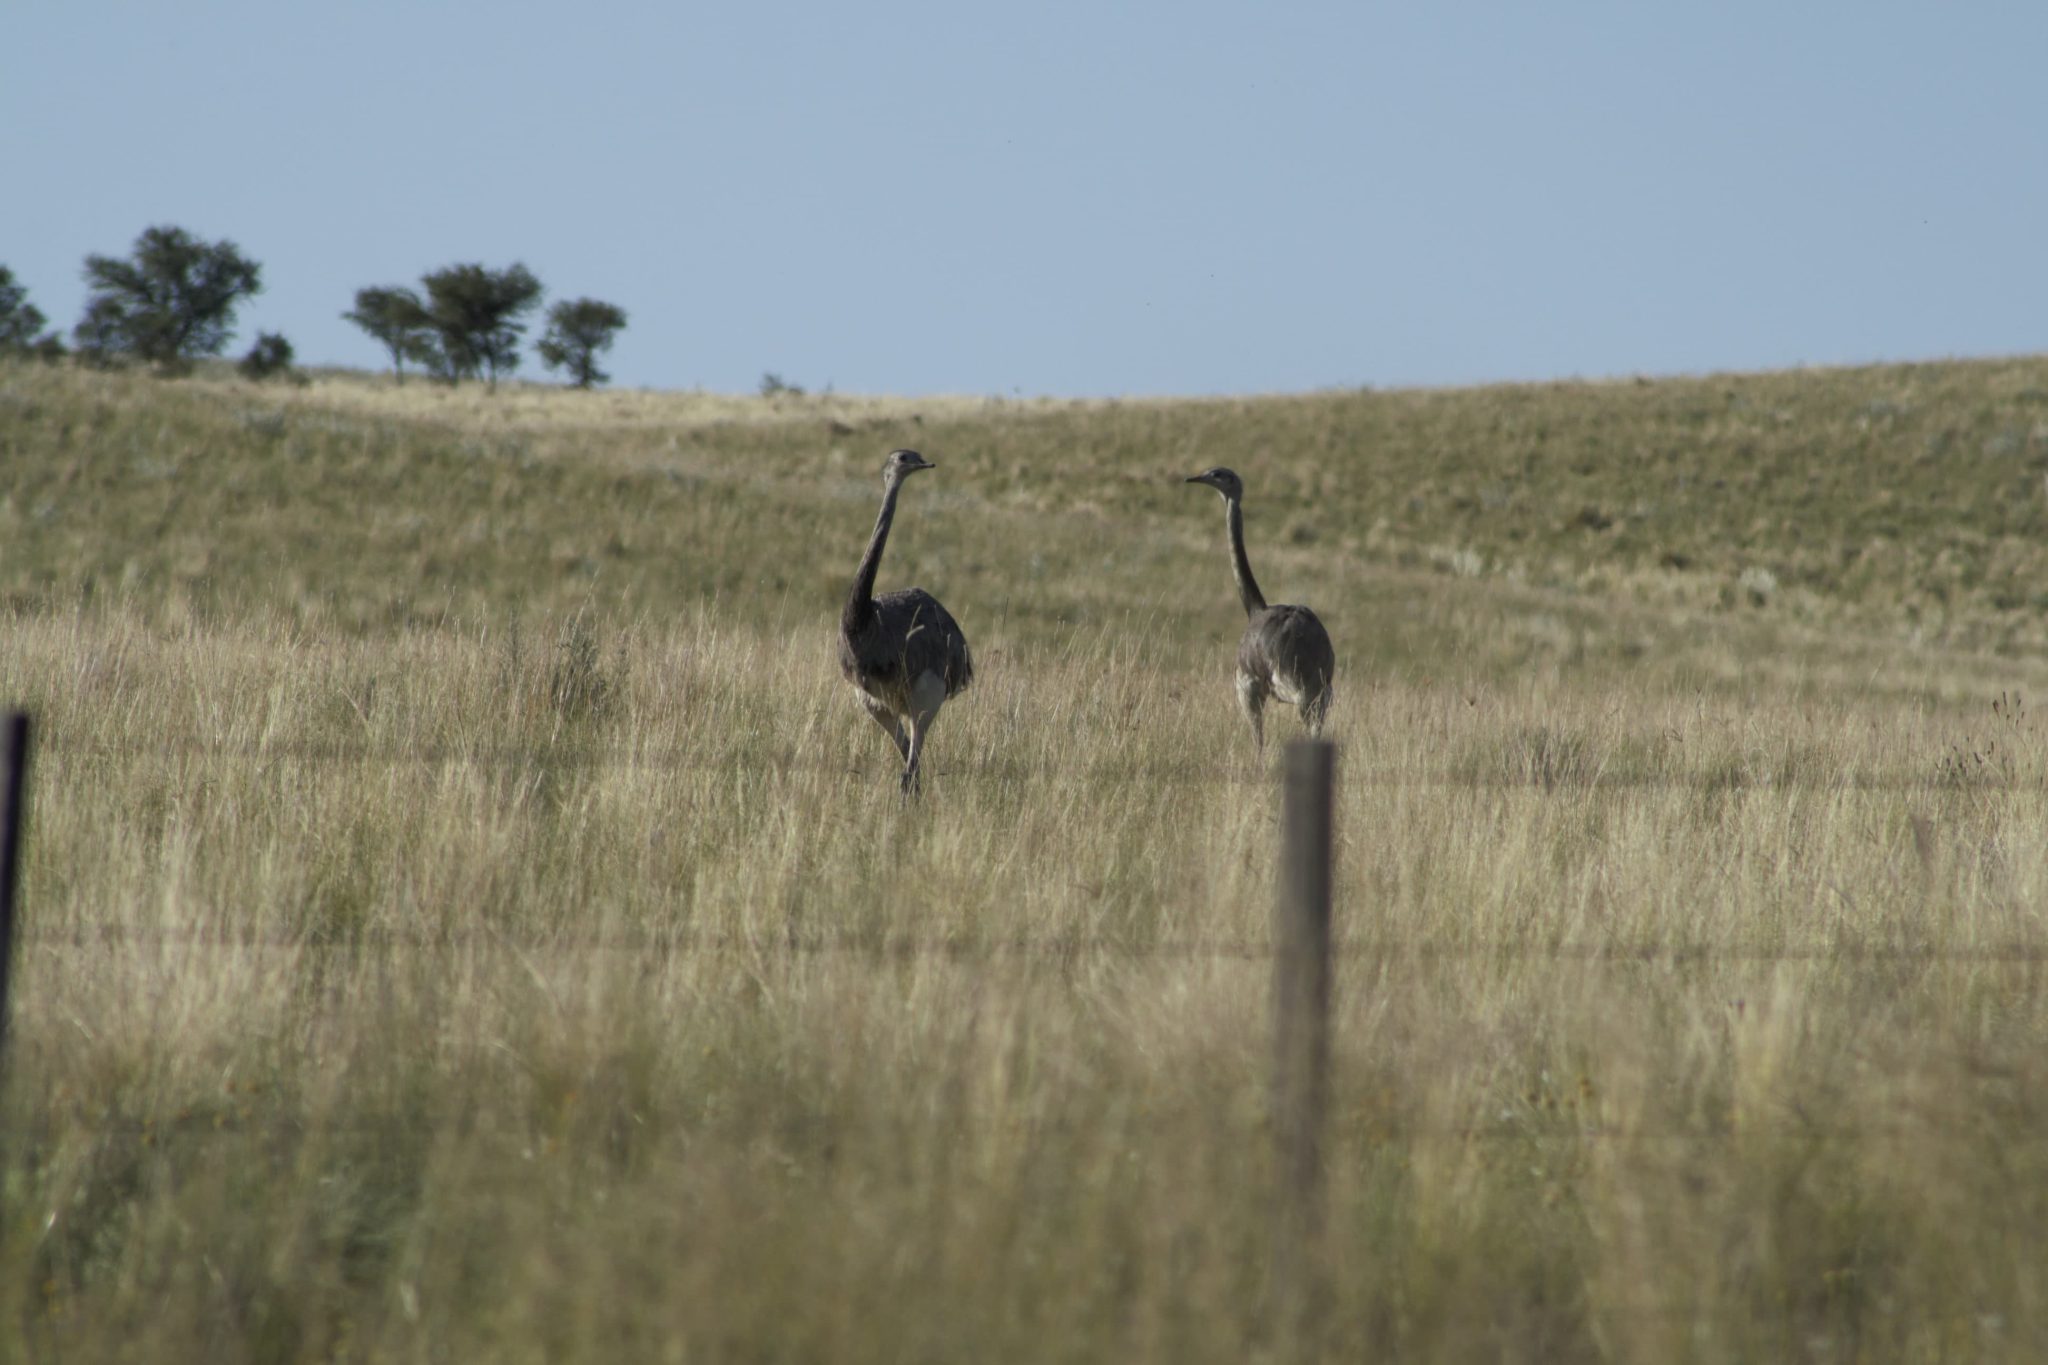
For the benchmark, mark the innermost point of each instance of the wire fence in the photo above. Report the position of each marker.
(1504, 770)
(1362, 948)
(1309, 1119)
(678, 942)
(278, 1111)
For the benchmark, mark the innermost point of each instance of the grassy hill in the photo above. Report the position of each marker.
(467, 916)
(1906, 504)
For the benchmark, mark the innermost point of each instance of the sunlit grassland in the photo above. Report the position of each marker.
(465, 915)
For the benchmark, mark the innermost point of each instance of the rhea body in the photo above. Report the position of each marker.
(902, 650)
(1284, 652)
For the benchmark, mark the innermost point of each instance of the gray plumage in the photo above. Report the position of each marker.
(903, 650)
(1284, 652)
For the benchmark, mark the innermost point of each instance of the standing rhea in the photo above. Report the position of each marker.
(902, 650)
(1285, 652)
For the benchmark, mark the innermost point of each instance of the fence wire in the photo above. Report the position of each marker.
(1503, 772)
(1366, 951)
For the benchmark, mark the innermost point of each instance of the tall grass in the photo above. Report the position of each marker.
(451, 935)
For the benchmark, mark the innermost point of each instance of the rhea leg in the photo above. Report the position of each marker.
(891, 726)
(927, 695)
(1314, 710)
(1251, 697)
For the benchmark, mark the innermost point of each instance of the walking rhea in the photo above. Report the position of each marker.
(1284, 652)
(903, 650)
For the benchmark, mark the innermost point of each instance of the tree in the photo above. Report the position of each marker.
(172, 301)
(476, 317)
(578, 331)
(271, 355)
(20, 320)
(397, 318)
(98, 334)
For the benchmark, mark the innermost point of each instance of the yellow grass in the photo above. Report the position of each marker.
(466, 916)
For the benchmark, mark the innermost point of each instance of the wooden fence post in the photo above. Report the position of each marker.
(11, 801)
(1301, 1031)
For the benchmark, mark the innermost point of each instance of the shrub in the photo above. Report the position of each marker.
(270, 357)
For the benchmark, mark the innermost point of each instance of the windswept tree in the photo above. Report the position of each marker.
(579, 330)
(171, 301)
(398, 319)
(477, 317)
(20, 320)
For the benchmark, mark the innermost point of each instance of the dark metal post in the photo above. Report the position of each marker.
(1301, 1029)
(11, 801)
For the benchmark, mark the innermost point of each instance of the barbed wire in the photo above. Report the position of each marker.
(682, 941)
(1501, 773)
(268, 1107)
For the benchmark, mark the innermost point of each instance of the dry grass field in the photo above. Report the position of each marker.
(467, 918)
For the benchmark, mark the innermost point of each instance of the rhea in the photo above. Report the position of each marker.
(1284, 652)
(903, 650)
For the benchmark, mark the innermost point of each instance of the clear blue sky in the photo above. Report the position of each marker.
(1075, 198)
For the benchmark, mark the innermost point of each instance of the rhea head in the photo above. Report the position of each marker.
(1224, 481)
(901, 464)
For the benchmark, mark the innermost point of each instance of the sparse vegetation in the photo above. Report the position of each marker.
(459, 923)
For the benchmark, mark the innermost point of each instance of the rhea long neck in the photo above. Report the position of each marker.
(860, 603)
(1247, 586)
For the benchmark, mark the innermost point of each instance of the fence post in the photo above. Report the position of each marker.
(11, 801)
(1301, 1032)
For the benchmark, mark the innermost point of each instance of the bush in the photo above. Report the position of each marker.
(269, 358)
